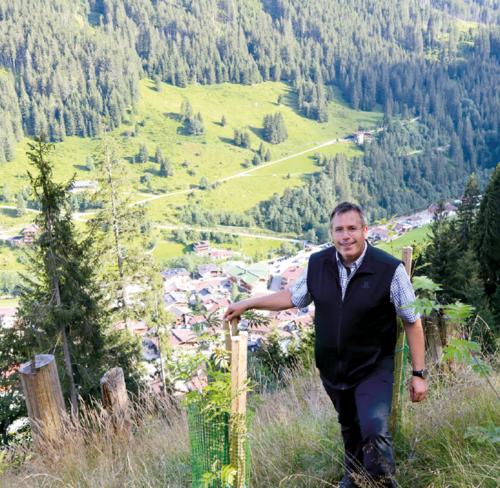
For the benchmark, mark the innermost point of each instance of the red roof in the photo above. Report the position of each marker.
(183, 335)
(32, 228)
(292, 272)
(222, 253)
(287, 314)
(196, 319)
(139, 327)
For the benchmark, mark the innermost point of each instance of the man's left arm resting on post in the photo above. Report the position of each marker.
(402, 295)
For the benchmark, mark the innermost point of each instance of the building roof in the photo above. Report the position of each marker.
(293, 272)
(30, 229)
(380, 231)
(207, 268)
(201, 243)
(183, 335)
(249, 274)
(221, 253)
(172, 272)
(83, 184)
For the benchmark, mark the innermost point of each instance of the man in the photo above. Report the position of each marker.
(357, 290)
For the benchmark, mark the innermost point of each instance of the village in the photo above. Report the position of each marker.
(192, 297)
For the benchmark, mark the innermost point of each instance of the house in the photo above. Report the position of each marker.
(83, 185)
(138, 327)
(361, 137)
(290, 275)
(182, 337)
(379, 233)
(201, 247)
(217, 255)
(8, 314)
(249, 277)
(29, 234)
(175, 275)
(402, 228)
(207, 271)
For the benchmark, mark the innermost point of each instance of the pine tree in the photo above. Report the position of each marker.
(3, 159)
(137, 130)
(487, 241)
(262, 151)
(223, 121)
(21, 206)
(268, 155)
(6, 194)
(466, 213)
(90, 163)
(143, 154)
(166, 168)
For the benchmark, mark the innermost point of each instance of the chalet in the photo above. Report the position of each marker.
(201, 247)
(249, 278)
(217, 255)
(402, 228)
(175, 275)
(361, 137)
(207, 271)
(182, 337)
(29, 234)
(451, 209)
(83, 185)
(290, 275)
(379, 233)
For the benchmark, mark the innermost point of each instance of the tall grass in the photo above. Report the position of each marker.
(295, 442)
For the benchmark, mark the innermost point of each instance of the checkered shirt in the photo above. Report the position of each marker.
(402, 293)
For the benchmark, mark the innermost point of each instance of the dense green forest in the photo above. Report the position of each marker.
(70, 61)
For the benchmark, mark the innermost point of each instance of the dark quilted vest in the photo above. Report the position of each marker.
(353, 337)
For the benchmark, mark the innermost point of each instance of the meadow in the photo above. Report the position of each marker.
(295, 442)
(420, 236)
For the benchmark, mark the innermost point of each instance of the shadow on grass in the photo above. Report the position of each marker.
(226, 140)
(258, 131)
(81, 167)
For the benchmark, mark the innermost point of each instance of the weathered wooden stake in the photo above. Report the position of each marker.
(230, 330)
(433, 343)
(238, 411)
(115, 399)
(398, 359)
(44, 399)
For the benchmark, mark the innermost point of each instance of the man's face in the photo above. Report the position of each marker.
(348, 235)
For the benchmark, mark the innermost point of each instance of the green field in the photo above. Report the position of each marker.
(8, 302)
(417, 235)
(247, 245)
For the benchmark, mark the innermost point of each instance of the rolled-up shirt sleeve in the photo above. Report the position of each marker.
(300, 294)
(402, 294)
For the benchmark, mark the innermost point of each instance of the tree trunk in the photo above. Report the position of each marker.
(115, 400)
(44, 399)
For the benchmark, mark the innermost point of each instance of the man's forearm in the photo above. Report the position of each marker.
(416, 343)
(275, 302)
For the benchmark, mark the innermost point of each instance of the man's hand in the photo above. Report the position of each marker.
(418, 389)
(236, 309)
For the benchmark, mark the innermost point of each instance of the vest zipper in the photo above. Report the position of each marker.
(338, 338)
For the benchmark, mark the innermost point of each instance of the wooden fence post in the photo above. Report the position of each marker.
(230, 330)
(115, 399)
(398, 359)
(44, 399)
(433, 342)
(238, 411)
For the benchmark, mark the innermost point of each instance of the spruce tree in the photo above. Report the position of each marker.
(466, 213)
(6, 193)
(143, 154)
(3, 159)
(118, 228)
(89, 163)
(487, 241)
(223, 121)
(246, 141)
(166, 169)
(158, 156)
(21, 205)
(158, 84)
(237, 137)
(442, 253)
(268, 155)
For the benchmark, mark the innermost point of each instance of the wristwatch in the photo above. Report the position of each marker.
(423, 373)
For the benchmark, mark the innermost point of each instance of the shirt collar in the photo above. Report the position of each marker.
(356, 263)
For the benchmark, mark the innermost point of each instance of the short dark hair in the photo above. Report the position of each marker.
(345, 207)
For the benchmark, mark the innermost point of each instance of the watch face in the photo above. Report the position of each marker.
(425, 374)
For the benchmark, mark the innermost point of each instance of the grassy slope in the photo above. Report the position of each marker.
(212, 155)
(418, 235)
